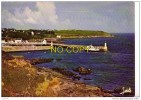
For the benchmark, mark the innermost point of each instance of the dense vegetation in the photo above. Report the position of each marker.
(27, 34)
(79, 33)
(40, 34)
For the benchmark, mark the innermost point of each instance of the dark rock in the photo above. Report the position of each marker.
(6, 56)
(63, 71)
(66, 73)
(39, 69)
(108, 91)
(76, 77)
(83, 71)
(38, 61)
(87, 78)
(118, 90)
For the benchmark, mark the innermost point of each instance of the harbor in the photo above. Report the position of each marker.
(44, 45)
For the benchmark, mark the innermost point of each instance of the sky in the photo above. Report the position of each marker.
(113, 17)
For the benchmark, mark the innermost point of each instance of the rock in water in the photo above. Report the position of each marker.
(39, 61)
(66, 73)
(83, 71)
(87, 78)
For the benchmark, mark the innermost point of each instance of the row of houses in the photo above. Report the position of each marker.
(20, 41)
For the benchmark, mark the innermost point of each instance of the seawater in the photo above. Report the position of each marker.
(110, 70)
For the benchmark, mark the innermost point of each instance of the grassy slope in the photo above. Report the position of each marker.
(20, 78)
(77, 33)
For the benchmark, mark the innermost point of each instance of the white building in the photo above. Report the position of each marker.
(26, 42)
(58, 36)
(18, 41)
(38, 33)
(32, 33)
(44, 41)
(3, 41)
(11, 42)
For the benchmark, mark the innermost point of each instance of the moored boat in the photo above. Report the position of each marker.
(92, 48)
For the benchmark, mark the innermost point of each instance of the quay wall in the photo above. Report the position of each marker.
(24, 48)
(8, 48)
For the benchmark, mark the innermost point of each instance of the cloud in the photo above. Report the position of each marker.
(43, 17)
(107, 16)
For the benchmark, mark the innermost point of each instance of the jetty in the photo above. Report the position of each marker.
(101, 48)
(33, 46)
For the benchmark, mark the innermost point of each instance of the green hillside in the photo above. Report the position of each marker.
(40, 34)
(81, 33)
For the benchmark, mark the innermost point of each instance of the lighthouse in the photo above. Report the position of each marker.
(105, 46)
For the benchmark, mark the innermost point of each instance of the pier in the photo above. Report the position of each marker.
(33, 46)
(101, 48)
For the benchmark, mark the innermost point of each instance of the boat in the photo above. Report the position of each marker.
(92, 48)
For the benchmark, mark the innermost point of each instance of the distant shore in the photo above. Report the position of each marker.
(72, 37)
(41, 34)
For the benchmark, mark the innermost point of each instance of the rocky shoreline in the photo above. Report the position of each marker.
(20, 78)
(80, 73)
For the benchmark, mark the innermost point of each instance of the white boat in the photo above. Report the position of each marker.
(92, 48)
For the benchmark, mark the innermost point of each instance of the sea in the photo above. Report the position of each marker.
(110, 70)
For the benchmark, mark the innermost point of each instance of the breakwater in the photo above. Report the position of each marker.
(24, 48)
(47, 46)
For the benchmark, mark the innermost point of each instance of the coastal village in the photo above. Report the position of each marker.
(13, 36)
(19, 44)
(13, 40)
